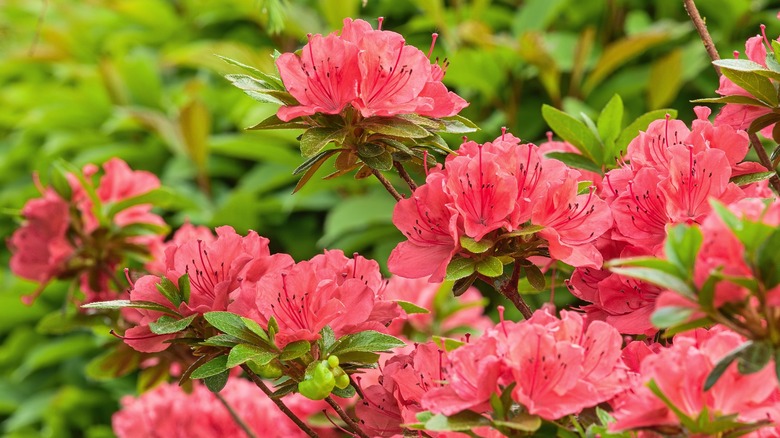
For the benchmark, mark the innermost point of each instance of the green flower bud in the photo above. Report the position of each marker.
(318, 382)
(333, 361)
(342, 381)
(271, 370)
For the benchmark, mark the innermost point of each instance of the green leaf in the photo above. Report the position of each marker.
(382, 162)
(522, 421)
(59, 181)
(768, 260)
(640, 124)
(294, 350)
(222, 340)
(724, 363)
(535, 277)
(670, 316)
(458, 125)
(474, 247)
(255, 328)
(460, 268)
(394, 126)
(311, 166)
(575, 160)
(611, 119)
(659, 278)
(750, 178)
(369, 149)
(525, 231)
(682, 246)
(269, 79)
(169, 291)
(167, 325)
(359, 357)
(750, 234)
(184, 287)
(121, 304)
(462, 421)
(763, 121)
(684, 419)
(754, 81)
(315, 139)
(231, 324)
(159, 197)
(411, 308)
(274, 122)
(367, 341)
(741, 100)
(755, 358)
(216, 382)
(211, 368)
(746, 66)
(245, 352)
(573, 131)
(490, 266)
(347, 392)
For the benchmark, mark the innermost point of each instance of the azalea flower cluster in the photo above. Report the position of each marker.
(670, 175)
(75, 230)
(554, 367)
(237, 273)
(373, 71)
(497, 199)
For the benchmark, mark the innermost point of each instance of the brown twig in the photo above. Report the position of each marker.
(701, 27)
(280, 404)
(350, 422)
(405, 175)
(387, 184)
(508, 288)
(235, 416)
(763, 158)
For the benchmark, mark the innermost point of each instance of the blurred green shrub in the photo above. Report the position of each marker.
(90, 79)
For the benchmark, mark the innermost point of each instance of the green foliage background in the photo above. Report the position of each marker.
(86, 80)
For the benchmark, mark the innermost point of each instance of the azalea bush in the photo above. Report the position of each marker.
(653, 238)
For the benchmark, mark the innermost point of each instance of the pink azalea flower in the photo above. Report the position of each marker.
(373, 70)
(396, 78)
(324, 79)
(185, 233)
(473, 374)
(482, 192)
(215, 269)
(430, 225)
(561, 369)
(40, 248)
(572, 222)
(329, 290)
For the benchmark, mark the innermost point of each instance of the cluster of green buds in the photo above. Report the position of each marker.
(322, 377)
